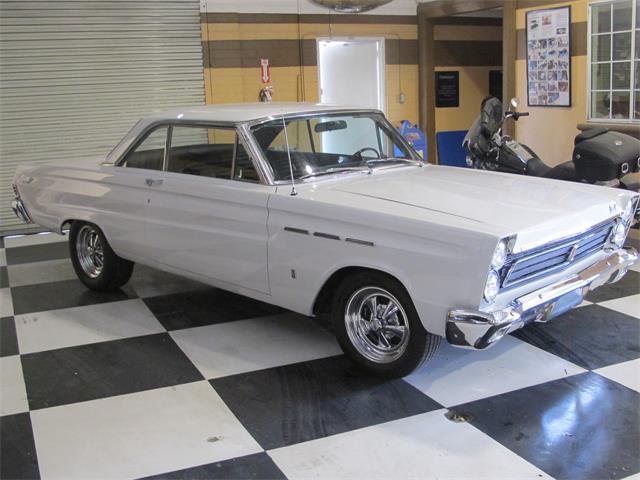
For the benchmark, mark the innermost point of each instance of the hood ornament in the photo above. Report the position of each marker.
(350, 6)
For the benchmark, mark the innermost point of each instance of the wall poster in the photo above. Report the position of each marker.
(549, 57)
(447, 89)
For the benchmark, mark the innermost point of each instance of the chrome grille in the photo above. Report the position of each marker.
(555, 256)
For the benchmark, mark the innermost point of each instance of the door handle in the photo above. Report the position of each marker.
(151, 182)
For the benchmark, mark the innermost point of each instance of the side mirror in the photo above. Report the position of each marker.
(514, 103)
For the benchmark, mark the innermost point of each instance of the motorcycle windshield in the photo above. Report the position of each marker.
(490, 116)
(471, 138)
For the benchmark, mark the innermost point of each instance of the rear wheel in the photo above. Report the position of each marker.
(95, 263)
(378, 327)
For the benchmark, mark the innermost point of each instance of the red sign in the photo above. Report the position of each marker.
(265, 72)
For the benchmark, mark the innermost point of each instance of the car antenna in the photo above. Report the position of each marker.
(286, 139)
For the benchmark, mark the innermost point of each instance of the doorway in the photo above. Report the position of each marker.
(351, 71)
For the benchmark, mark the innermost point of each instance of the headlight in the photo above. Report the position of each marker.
(618, 234)
(499, 255)
(491, 287)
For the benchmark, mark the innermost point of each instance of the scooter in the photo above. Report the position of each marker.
(600, 157)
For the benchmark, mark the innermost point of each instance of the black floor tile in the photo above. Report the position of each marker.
(258, 466)
(37, 253)
(295, 403)
(64, 294)
(205, 307)
(8, 338)
(579, 427)
(105, 369)
(591, 336)
(4, 277)
(628, 285)
(632, 242)
(17, 449)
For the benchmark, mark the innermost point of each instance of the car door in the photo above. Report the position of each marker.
(202, 218)
(122, 206)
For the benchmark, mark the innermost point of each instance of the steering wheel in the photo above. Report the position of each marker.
(362, 150)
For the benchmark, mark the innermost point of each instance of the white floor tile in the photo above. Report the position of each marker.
(456, 376)
(6, 303)
(13, 396)
(138, 434)
(81, 325)
(3, 258)
(40, 272)
(585, 303)
(633, 477)
(33, 239)
(628, 305)
(254, 344)
(423, 446)
(626, 373)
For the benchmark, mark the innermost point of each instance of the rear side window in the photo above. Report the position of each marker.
(149, 154)
(209, 152)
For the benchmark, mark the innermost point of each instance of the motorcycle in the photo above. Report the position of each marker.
(600, 157)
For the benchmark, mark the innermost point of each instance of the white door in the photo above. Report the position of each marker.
(351, 72)
(203, 219)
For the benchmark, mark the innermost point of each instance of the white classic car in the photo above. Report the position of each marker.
(320, 209)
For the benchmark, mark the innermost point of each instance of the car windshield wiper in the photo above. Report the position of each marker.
(329, 171)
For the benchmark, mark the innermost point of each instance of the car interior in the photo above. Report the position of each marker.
(206, 160)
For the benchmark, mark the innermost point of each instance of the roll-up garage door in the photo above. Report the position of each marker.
(76, 75)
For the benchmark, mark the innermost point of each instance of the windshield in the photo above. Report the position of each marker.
(330, 143)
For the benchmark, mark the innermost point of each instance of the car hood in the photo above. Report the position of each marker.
(536, 209)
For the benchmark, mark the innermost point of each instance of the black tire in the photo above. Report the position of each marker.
(113, 273)
(420, 346)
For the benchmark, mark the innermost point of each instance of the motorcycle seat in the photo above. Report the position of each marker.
(564, 171)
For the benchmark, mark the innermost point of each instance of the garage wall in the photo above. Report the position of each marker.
(76, 75)
(550, 131)
(472, 47)
(235, 41)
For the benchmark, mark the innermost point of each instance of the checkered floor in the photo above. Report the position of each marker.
(172, 379)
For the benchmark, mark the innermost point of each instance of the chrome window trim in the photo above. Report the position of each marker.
(167, 123)
(170, 124)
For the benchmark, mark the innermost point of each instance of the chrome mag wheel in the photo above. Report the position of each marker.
(90, 251)
(377, 325)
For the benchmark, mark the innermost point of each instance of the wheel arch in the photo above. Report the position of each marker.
(322, 302)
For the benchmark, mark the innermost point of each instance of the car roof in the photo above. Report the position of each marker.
(245, 112)
(234, 113)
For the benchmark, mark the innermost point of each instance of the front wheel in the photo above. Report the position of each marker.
(95, 263)
(378, 327)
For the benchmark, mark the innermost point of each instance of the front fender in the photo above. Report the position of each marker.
(447, 267)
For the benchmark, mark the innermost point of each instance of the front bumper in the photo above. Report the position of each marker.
(479, 330)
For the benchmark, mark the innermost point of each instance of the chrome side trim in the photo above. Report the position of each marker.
(329, 236)
(296, 230)
(359, 242)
